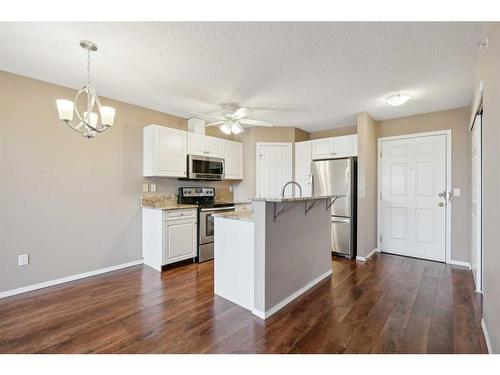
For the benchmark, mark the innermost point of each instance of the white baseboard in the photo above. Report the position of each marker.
(66, 279)
(486, 335)
(368, 256)
(290, 298)
(460, 263)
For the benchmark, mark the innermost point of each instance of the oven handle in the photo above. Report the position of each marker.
(217, 209)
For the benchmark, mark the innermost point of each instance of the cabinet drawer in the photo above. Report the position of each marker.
(179, 214)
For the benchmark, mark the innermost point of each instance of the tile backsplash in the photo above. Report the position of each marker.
(171, 186)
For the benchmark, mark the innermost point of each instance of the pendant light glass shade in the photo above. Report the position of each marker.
(107, 115)
(65, 109)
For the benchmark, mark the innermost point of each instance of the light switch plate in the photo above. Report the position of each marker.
(153, 188)
(456, 192)
(23, 260)
(145, 188)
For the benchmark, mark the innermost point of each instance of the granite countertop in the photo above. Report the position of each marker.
(169, 206)
(236, 215)
(236, 203)
(163, 202)
(280, 199)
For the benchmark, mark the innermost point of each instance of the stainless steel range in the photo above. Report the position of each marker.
(204, 197)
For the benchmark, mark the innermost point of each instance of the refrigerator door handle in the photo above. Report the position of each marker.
(341, 220)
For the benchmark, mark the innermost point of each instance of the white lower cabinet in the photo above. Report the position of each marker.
(179, 240)
(168, 236)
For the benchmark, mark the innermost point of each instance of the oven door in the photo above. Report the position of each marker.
(207, 223)
(205, 167)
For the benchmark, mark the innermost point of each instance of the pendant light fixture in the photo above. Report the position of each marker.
(88, 124)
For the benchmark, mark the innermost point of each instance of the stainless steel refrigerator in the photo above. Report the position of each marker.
(339, 177)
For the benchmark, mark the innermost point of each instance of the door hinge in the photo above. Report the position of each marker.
(380, 238)
(380, 154)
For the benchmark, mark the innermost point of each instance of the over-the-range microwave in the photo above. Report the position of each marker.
(205, 168)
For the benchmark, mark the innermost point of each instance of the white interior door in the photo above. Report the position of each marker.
(273, 169)
(476, 237)
(413, 200)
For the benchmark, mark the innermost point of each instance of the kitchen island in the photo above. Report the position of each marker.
(267, 258)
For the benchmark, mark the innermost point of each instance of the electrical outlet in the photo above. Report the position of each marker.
(23, 259)
(230, 188)
(153, 188)
(145, 188)
(456, 192)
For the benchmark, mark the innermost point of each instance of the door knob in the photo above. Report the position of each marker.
(440, 204)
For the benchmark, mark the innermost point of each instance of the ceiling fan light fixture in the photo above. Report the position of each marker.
(225, 129)
(236, 128)
(397, 99)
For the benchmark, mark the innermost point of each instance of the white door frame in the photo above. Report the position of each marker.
(447, 133)
(479, 254)
(257, 167)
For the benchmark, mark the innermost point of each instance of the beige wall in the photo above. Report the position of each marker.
(337, 132)
(489, 61)
(367, 185)
(73, 204)
(301, 135)
(456, 120)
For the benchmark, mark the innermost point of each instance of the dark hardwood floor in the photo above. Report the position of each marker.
(389, 304)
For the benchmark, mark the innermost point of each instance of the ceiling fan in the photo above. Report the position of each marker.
(234, 123)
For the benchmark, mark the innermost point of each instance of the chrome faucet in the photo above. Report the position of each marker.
(288, 183)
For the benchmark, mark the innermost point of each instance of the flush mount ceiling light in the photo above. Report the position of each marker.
(397, 99)
(88, 123)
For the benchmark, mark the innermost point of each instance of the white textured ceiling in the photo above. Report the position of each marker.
(311, 75)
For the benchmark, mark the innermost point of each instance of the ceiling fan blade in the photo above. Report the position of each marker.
(218, 117)
(215, 123)
(240, 113)
(248, 121)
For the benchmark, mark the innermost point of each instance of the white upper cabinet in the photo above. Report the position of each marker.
(322, 148)
(346, 145)
(196, 144)
(335, 147)
(215, 146)
(164, 152)
(303, 159)
(233, 160)
(203, 145)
